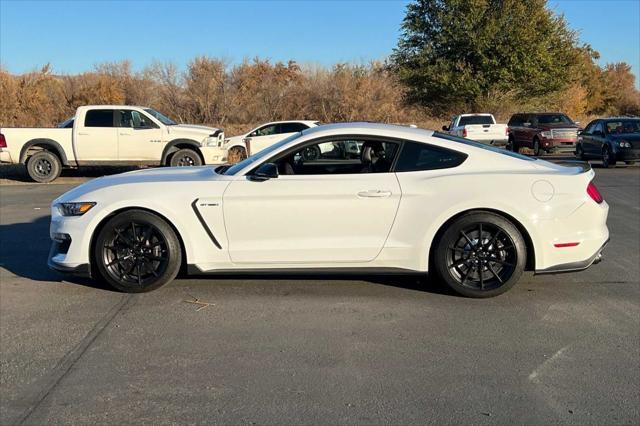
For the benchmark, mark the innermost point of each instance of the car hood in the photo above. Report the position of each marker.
(192, 130)
(159, 175)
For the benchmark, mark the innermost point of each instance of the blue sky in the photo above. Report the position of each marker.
(75, 35)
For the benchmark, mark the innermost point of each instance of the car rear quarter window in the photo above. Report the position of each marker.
(99, 118)
(292, 127)
(482, 146)
(417, 156)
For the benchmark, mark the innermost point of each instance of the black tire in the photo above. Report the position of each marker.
(608, 159)
(311, 153)
(580, 153)
(44, 167)
(185, 157)
(536, 148)
(501, 255)
(513, 145)
(236, 154)
(629, 163)
(137, 251)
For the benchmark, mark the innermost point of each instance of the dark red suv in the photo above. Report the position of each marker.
(543, 132)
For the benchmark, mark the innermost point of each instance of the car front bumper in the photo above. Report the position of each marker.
(558, 145)
(628, 154)
(214, 154)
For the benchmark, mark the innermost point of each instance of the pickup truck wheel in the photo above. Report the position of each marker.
(137, 251)
(44, 167)
(513, 145)
(236, 154)
(185, 157)
(536, 148)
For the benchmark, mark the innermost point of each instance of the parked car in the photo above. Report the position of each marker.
(611, 140)
(110, 135)
(479, 127)
(413, 199)
(543, 132)
(255, 140)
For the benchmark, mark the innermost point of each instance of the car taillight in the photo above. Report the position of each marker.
(464, 133)
(506, 131)
(3, 141)
(594, 193)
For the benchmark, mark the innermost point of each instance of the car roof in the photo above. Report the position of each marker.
(368, 128)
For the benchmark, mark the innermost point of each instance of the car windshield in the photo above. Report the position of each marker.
(475, 119)
(161, 117)
(623, 126)
(66, 124)
(554, 119)
(483, 146)
(259, 155)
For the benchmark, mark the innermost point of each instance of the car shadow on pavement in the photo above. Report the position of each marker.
(24, 251)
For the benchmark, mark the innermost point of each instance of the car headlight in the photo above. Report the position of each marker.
(75, 209)
(210, 141)
(546, 134)
(624, 144)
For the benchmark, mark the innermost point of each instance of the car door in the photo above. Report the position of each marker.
(584, 138)
(595, 140)
(96, 139)
(335, 209)
(515, 126)
(139, 137)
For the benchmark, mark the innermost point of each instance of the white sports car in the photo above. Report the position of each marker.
(407, 201)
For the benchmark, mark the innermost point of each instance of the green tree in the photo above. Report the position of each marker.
(454, 52)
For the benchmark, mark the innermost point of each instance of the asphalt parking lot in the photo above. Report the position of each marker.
(317, 350)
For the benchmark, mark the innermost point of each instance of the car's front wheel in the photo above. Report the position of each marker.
(137, 251)
(185, 157)
(608, 160)
(480, 255)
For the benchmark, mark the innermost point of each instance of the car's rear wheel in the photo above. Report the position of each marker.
(607, 158)
(44, 167)
(137, 251)
(513, 145)
(480, 255)
(185, 157)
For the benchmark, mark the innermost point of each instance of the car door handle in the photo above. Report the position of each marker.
(83, 134)
(374, 193)
(125, 134)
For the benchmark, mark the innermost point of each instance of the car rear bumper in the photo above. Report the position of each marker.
(5, 156)
(575, 266)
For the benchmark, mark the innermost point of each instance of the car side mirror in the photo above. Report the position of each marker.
(265, 172)
(445, 128)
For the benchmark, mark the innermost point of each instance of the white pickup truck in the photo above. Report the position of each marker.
(110, 135)
(479, 127)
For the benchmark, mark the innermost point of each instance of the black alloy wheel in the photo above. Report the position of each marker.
(481, 255)
(136, 251)
(607, 158)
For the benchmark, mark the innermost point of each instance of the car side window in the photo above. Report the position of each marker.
(515, 120)
(589, 129)
(99, 118)
(134, 119)
(417, 156)
(339, 156)
(264, 131)
(291, 127)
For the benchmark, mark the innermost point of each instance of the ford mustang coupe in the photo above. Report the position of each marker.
(363, 197)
